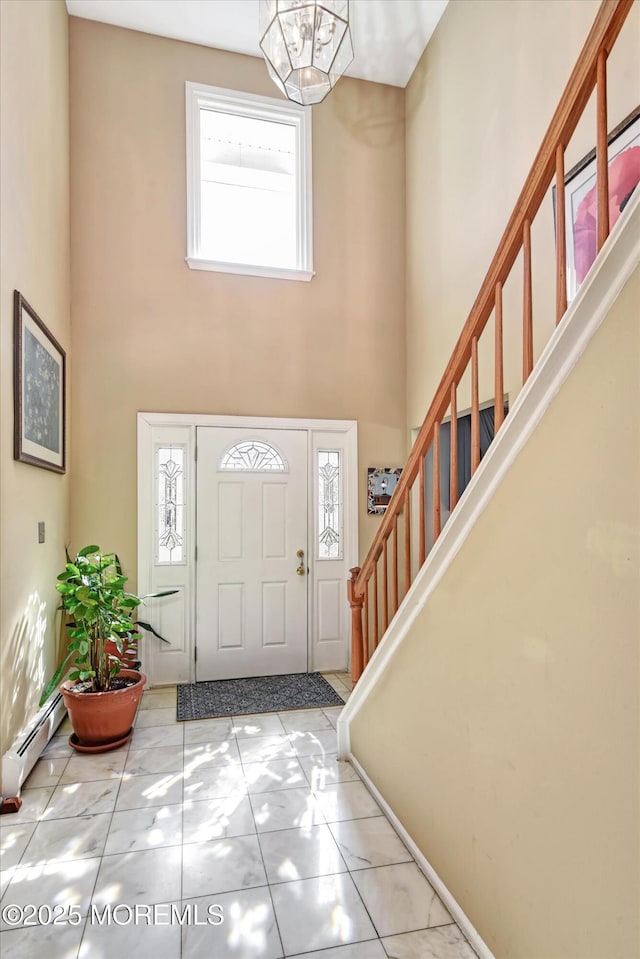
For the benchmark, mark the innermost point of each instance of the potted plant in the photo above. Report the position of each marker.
(101, 697)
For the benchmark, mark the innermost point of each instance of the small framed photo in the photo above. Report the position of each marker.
(581, 197)
(381, 482)
(39, 381)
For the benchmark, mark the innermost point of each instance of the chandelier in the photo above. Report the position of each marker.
(306, 45)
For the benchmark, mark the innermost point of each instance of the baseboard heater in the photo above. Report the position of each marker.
(20, 759)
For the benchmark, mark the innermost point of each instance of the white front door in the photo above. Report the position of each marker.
(251, 606)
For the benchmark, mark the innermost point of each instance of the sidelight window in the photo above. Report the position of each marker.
(329, 478)
(170, 526)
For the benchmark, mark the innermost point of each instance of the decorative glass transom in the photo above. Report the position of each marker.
(170, 504)
(329, 475)
(254, 456)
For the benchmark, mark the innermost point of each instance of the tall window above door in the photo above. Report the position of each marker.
(249, 206)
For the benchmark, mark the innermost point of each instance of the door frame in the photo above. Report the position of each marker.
(178, 614)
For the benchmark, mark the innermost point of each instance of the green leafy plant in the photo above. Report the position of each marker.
(99, 609)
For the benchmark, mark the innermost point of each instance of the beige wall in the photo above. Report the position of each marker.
(34, 251)
(150, 334)
(477, 108)
(506, 734)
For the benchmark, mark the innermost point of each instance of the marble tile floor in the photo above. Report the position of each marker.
(140, 852)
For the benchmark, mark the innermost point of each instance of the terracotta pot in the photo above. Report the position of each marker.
(102, 718)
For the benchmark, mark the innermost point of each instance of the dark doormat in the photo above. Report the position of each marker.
(260, 694)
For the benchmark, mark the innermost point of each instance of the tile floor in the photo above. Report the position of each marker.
(252, 819)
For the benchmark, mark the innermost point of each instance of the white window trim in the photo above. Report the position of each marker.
(200, 96)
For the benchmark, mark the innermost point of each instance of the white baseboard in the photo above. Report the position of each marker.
(457, 912)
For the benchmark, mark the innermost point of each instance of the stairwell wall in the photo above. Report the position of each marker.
(506, 734)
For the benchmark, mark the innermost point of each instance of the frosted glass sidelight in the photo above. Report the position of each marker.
(329, 473)
(170, 505)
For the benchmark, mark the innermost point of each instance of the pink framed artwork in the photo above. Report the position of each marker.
(581, 197)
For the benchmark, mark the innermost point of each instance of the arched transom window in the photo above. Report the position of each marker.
(254, 456)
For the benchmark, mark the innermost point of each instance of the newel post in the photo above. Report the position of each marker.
(356, 603)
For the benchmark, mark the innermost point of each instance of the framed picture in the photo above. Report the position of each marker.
(39, 391)
(581, 197)
(381, 482)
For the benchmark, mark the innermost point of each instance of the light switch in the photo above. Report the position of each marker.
(41, 531)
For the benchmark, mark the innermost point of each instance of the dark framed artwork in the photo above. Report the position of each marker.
(39, 385)
(381, 482)
(581, 196)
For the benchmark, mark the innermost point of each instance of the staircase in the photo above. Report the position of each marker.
(399, 549)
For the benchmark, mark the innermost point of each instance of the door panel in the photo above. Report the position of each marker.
(231, 616)
(330, 598)
(230, 521)
(251, 603)
(274, 614)
(274, 521)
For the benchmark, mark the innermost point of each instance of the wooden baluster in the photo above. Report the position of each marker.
(376, 627)
(407, 540)
(394, 579)
(436, 481)
(527, 306)
(602, 162)
(421, 514)
(561, 238)
(475, 408)
(356, 603)
(385, 588)
(498, 408)
(365, 626)
(453, 459)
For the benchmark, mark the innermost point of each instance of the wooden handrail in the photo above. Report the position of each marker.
(602, 36)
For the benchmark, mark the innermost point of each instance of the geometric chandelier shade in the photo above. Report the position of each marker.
(306, 45)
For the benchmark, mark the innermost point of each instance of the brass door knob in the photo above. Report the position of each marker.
(301, 569)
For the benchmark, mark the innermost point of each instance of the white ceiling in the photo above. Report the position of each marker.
(388, 35)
